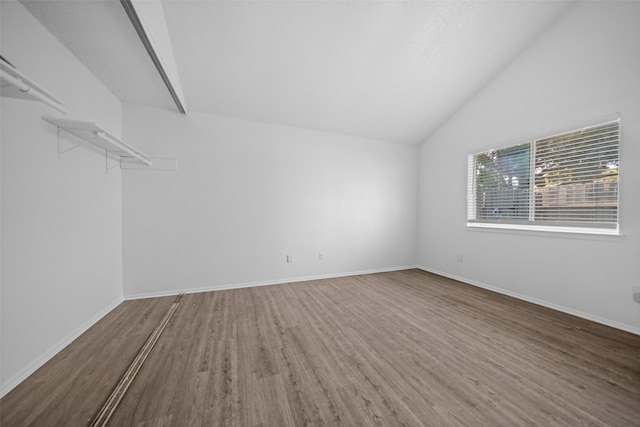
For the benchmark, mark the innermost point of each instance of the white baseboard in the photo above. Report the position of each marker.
(563, 309)
(261, 283)
(10, 384)
(14, 381)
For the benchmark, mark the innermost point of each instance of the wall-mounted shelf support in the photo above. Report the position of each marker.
(91, 133)
(61, 149)
(107, 166)
(17, 85)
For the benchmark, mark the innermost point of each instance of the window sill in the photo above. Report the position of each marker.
(548, 231)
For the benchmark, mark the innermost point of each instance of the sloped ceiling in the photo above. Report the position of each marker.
(384, 70)
(101, 36)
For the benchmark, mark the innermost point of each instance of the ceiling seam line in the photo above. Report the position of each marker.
(137, 24)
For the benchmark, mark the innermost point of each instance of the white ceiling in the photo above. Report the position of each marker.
(384, 70)
(101, 36)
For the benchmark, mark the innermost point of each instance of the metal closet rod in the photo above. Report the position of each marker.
(25, 88)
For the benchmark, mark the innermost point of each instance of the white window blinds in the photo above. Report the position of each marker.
(565, 180)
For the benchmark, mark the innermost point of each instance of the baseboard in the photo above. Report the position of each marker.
(13, 382)
(563, 309)
(262, 283)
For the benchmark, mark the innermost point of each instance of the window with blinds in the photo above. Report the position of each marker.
(565, 182)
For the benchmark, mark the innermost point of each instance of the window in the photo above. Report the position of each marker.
(565, 182)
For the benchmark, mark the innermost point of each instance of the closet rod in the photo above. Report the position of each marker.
(25, 88)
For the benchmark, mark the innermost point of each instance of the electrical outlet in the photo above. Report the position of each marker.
(289, 259)
(636, 293)
(321, 256)
(460, 257)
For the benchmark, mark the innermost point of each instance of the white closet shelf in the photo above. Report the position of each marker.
(93, 134)
(16, 85)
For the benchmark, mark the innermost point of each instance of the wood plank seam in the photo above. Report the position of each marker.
(104, 414)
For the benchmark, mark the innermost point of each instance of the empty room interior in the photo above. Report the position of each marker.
(341, 213)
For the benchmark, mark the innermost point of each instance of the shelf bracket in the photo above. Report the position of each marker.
(62, 151)
(108, 165)
(114, 164)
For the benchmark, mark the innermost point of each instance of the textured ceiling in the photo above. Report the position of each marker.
(384, 70)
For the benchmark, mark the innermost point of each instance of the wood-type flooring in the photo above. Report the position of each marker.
(404, 348)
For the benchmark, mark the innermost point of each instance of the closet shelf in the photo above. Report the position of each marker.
(17, 85)
(93, 134)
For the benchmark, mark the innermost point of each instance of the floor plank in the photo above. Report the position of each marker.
(70, 388)
(405, 348)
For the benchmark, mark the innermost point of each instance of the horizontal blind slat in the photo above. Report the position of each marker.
(574, 179)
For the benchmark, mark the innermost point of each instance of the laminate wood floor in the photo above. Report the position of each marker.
(69, 389)
(404, 348)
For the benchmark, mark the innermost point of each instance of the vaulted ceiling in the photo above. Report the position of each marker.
(393, 71)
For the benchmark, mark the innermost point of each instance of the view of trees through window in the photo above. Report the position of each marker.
(566, 179)
(503, 183)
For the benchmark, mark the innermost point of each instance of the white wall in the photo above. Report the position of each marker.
(585, 67)
(246, 194)
(61, 219)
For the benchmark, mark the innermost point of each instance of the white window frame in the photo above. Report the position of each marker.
(531, 224)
